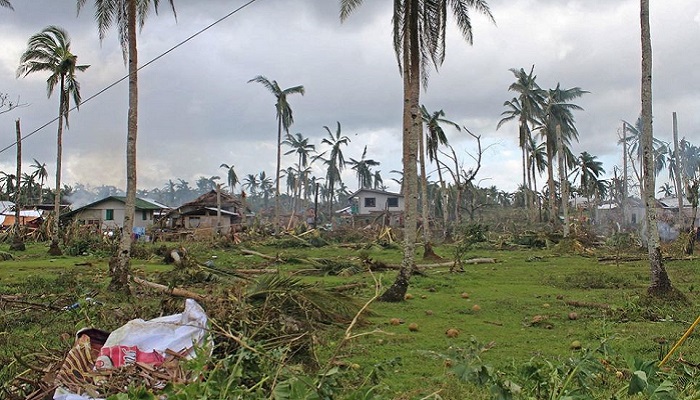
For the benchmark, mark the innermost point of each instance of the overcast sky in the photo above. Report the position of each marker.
(197, 110)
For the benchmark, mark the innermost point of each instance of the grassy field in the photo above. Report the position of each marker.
(519, 308)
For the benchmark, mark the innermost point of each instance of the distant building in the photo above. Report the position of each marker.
(108, 214)
(202, 214)
(366, 205)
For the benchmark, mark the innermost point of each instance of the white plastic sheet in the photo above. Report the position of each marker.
(178, 332)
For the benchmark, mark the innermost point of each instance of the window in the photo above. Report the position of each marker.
(144, 215)
(109, 214)
(392, 202)
(370, 202)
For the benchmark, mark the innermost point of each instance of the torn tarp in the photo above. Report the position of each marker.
(154, 345)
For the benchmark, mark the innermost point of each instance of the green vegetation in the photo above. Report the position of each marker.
(536, 324)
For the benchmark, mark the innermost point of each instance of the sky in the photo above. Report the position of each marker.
(197, 109)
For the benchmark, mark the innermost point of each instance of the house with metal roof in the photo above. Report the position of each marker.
(108, 214)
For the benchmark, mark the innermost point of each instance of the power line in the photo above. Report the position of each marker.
(138, 69)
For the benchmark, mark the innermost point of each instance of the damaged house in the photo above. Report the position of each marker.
(209, 213)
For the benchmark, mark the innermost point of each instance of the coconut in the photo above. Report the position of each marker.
(452, 333)
(408, 296)
(465, 295)
(575, 345)
(395, 321)
(413, 327)
(573, 316)
(476, 308)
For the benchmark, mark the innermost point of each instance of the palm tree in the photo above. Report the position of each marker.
(660, 283)
(251, 183)
(49, 51)
(6, 4)
(526, 108)
(301, 146)
(335, 161)
(124, 14)
(434, 138)
(666, 190)
(378, 182)
(231, 176)
(265, 185)
(419, 38)
(558, 117)
(42, 174)
(363, 169)
(283, 112)
(633, 138)
(170, 191)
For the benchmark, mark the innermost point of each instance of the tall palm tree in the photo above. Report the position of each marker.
(335, 161)
(49, 51)
(660, 283)
(363, 169)
(42, 174)
(231, 176)
(435, 137)
(526, 108)
(124, 14)
(419, 28)
(558, 117)
(285, 119)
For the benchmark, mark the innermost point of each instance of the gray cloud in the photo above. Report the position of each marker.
(198, 111)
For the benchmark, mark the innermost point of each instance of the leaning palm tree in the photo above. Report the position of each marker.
(124, 14)
(283, 112)
(419, 28)
(231, 176)
(49, 51)
(660, 283)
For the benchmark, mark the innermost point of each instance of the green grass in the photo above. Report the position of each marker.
(522, 299)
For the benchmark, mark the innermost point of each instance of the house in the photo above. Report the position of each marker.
(202, 213)
(108, 214)
(369, 204)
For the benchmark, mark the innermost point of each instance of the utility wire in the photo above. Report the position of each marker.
(75, 107)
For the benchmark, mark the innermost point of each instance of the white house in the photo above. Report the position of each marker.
(368, 204)
(108, 213)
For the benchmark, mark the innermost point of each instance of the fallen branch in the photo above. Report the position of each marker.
(168, 290)
(15, 300)
(349, 286)
(587, 304)
(259, 271)
(261, 255)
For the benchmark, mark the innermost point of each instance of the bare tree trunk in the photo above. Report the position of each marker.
(678, 185)
(218, 209)
(119, 267)
(625, 208)
(563, 181)
(411, 129)
(54, 249)
(553, 214)
(660, 283)
(277, 174)
(17, 241)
